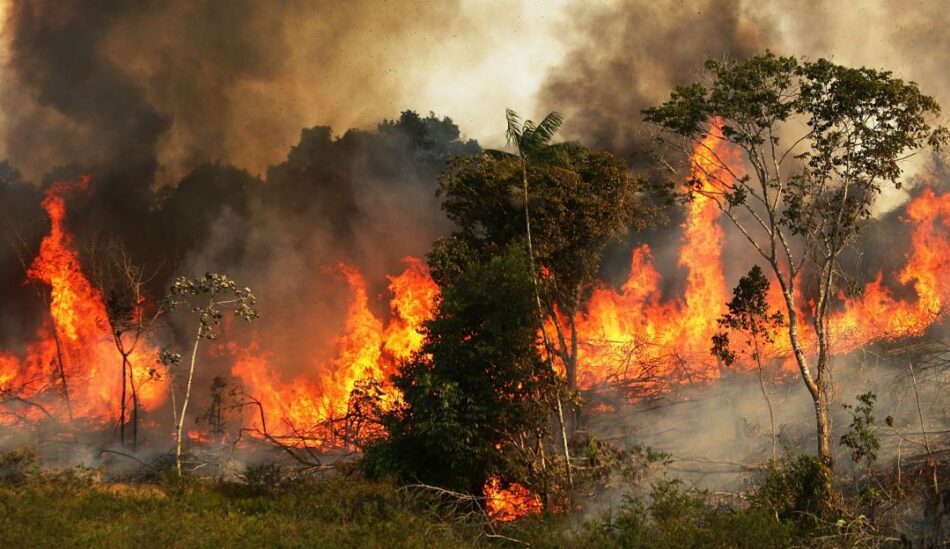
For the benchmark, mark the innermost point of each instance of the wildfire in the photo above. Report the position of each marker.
(876, 314)
(631, 330)
(625, 334)
(73, 354)
(367, 350)
(631, 335)
(414, 299)
(506, 504)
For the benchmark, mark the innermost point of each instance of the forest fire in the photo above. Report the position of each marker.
(876, 313)
(625, 334)
(68, 368)
(676, 268)
(505, 504)
(367, 350)
(631, 335)
(634, 321)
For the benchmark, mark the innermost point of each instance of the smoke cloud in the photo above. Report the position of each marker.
(191, 82)
(627, 55)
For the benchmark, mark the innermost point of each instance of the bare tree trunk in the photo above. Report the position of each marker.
(184, 404)
(135, 410)
(765, 394)
(567, 452)
(541, 315)
(822, 402)
(931, 462)
(62, 370)
(571, 368)
(824, 426)
(816, 386)
(122, 402)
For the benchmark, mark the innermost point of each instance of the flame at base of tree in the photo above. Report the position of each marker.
(72, 368)
(511, 502)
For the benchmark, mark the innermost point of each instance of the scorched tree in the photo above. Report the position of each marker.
(819, 141)
(208, 298)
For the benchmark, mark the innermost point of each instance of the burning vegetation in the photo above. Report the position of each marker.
(449, 318)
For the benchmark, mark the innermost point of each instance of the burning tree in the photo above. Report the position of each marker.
(208, 297)
(477, 398)
(122, 282)
(568, 202)
(820, 140)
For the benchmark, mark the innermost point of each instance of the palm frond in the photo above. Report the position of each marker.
(559, 154)
(546, 129)
(531, 140)
(530, 137)
(515, 128)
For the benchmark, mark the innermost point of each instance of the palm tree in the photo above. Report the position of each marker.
(533, 144)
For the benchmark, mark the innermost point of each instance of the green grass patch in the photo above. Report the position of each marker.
(69, 511)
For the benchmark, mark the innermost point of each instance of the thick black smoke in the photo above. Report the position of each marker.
(627, 57)
(56, 51)
(366, 199)
(178, 82)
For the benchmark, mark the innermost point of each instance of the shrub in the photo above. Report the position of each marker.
(795, 490)
(18, 466)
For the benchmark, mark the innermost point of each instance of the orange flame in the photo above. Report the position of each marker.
(76, 342)
(631, 335)
(625, 334)
(505, 504)
(876, 314)
(632, 329)
(367, 350)
(414, 300)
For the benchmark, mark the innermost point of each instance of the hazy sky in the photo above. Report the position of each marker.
(236, 81)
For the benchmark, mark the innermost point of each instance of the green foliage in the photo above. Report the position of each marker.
(168, 359)
(859, 125)
(818, 141)
(860, 437)
(216, 293)
(598, 463)
(578, 204)
(72, 509)
(335, 513)
(795, 489)
(679, 517)
(476, 385)
(530, 138)
(748, 312)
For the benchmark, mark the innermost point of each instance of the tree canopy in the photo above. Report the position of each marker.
(818, 141)
(578, 203)
(476, 387)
